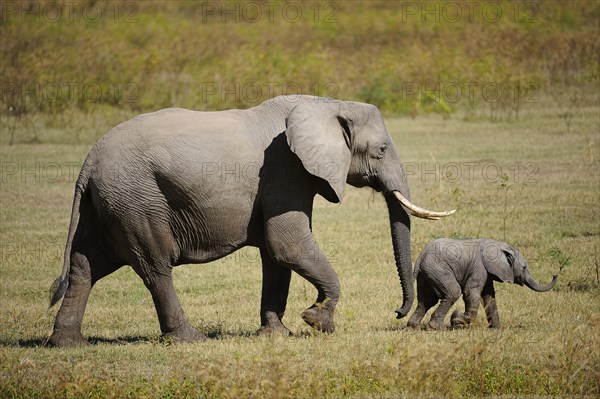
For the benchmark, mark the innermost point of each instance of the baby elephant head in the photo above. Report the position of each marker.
(506, 263)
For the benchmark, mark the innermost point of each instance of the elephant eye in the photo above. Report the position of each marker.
(381, 151)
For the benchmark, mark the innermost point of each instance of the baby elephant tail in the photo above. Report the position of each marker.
(417, 267)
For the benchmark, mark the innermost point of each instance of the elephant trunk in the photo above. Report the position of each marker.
(395, 188)
(400, 229)
(534, 285)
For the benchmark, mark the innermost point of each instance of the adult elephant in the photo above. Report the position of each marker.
(178, 186)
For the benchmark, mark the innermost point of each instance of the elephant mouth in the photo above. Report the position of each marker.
(421, 212)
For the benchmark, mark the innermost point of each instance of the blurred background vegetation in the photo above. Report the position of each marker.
(65, 59)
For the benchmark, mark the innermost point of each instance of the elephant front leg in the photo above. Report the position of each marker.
(471, 298)
(488, 296)
(275, 288)
(318, 271)
(291, 244)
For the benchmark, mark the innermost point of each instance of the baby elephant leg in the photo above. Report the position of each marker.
(426, 298)
(488, 295)
(471, 297)
(450, 292)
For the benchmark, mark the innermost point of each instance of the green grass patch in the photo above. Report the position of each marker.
(412, 59)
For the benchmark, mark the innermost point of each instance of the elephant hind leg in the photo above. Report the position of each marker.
(426, 298)
(67, 324)
(88, 265)
(173, 323)
(449, 295)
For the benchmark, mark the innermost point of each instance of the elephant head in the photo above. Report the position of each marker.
(506, 263)
(347, 142)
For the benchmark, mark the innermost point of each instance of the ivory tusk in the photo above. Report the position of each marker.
(421, 212)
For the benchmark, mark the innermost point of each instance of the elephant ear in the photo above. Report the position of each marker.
(497, 259)
(319, 134)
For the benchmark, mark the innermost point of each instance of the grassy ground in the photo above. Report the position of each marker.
(529, 182)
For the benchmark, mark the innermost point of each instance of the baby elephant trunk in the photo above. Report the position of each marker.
(534, 285)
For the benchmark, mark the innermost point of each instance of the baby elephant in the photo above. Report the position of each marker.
(447, 268)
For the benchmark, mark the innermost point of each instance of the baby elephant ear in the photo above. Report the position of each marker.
(319, 134)
(496, 258)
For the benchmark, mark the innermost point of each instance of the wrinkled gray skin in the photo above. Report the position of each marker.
(448, 268)
(179, 186)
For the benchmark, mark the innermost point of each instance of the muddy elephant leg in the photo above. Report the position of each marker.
(291, 244)
(450, 292)
(488, 296)
(471, 297)
(275, 288)
(88, 265)
(173, 323)
(426, 298)
(320, 315)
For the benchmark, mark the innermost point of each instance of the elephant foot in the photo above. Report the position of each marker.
(494, 325)
(319, 317)
(271, 330)
(184, 333)
(272, 325)
(459, 320)
(413, 325)
(67, 339)
(435, 325)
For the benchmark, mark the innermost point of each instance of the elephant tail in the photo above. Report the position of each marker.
(417, 267)
(60, 285)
